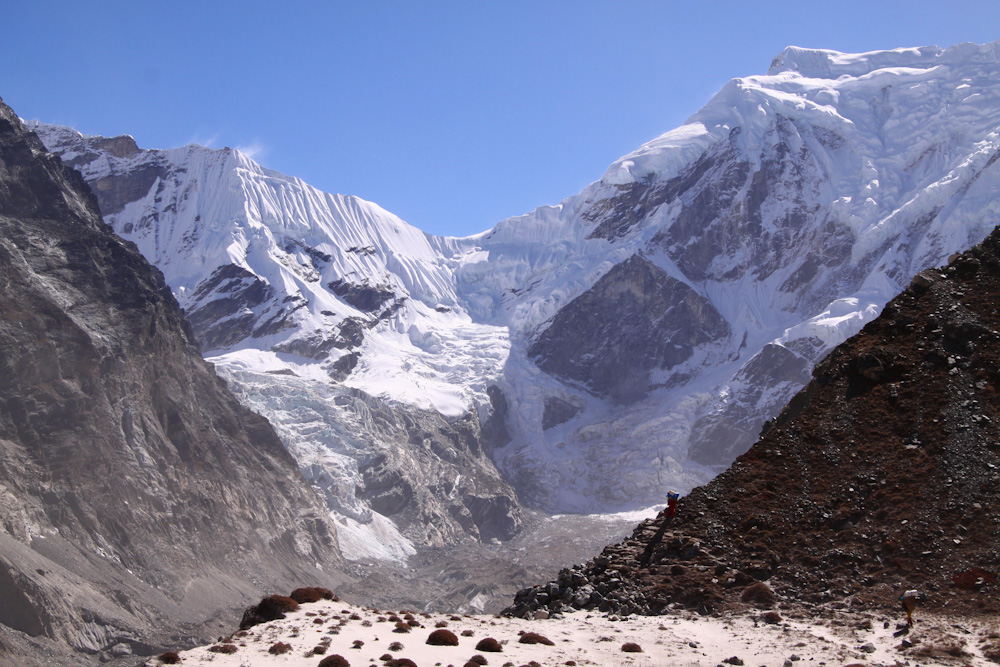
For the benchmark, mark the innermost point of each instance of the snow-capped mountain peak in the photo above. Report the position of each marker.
(638, 333)
(263, 262)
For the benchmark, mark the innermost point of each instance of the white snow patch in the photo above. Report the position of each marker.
(378, 539)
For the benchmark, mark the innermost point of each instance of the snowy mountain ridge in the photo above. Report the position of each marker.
(794, 203)
(638, 333)
(218, 224)
(312, 304)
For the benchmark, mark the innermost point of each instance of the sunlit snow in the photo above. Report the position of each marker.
(905, 145)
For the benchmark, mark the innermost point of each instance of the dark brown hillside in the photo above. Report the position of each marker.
(883, 474)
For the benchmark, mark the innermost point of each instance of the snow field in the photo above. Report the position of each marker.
(580, 638)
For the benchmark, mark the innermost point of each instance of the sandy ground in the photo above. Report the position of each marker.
(322, 629)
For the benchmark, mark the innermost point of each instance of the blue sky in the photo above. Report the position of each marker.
(452, 115)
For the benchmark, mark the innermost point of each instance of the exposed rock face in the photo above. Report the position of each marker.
(223, 315)
(741, 218)
(495, 432)
(634, 202)
(136, 493)
(559, 411)
(114, 191)
(634, 320)
(878, 477)
(433, 479)
(367, 298)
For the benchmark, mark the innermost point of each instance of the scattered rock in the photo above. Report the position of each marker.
(334, 660)
(120, 650)
(401, 662)
(278, 648)
(532, 638)
(759, 594)
(489, 645)
(442, 637)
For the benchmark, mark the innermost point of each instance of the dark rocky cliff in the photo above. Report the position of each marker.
(634, 320)
(135, 492)
(882, 475)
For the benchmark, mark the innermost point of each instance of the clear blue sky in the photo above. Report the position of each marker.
(453, 115)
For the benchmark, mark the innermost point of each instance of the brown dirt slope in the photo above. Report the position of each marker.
(883, 474)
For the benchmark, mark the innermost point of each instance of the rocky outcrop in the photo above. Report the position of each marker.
(559, 411)
(433, 478)
(364, 297)
(137, 496)
(635, 320)
(878, 477)
(120, 187)
(227, 317)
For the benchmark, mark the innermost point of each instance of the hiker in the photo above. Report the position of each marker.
(909, 601)
(672, 497)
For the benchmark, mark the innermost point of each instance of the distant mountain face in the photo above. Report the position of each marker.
(637, 335)
(880, 476)
(768, 228)
(327, 313)
(137, 495)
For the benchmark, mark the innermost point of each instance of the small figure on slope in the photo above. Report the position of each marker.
(672, 497)
(909, 600)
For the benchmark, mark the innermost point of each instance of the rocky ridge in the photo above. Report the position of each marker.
(137, 496)
(881, 475)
